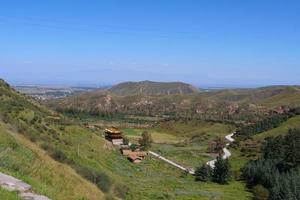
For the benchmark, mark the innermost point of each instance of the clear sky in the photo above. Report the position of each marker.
(206, 43)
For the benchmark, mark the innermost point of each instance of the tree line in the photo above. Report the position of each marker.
(266, 124)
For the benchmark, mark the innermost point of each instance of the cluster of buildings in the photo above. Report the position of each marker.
(115, 136)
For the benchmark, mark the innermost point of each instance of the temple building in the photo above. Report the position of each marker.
(114, 135)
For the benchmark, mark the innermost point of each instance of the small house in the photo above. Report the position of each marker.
(134, 158)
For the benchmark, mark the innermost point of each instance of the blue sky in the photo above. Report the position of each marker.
(206, 43)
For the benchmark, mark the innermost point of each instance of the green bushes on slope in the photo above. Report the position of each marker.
(278, 169)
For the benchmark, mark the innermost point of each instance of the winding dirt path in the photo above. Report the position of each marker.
(211, 163)
(227, 153)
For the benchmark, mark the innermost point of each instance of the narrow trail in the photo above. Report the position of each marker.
(191, 171)
(12, 184)
(211, 163)
(227, 153)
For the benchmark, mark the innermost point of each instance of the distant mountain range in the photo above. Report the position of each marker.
(181, 100)
(152, 88)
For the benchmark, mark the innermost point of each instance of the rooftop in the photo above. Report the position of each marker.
(113, 130)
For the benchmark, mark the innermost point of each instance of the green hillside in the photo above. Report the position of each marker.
(292, 123)
(62, 160)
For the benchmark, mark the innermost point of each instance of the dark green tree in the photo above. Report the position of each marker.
(221, 171)
(203, 173)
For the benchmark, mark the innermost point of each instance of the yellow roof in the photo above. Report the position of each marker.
(113, 130)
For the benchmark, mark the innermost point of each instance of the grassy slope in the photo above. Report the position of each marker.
(290, 97)
(25, 160)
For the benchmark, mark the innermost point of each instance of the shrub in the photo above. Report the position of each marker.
(58, 155)
(100, 179)
(121, 191)
(261, 193)
(133, 147)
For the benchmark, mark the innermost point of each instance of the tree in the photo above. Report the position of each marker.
(221, 171)
(125, 140)
(203, 173)
(146, 140)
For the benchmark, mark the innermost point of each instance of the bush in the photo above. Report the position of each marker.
(100, 179)
(121, 191)
(58, 155)
(261, 193)
(133, 147)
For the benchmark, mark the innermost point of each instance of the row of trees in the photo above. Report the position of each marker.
(266, 124)
(276, 174)
(219, 174)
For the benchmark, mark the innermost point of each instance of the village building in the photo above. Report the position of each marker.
(134, 158)
(114, 135)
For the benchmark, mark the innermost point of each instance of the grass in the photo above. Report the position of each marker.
(151, 179)
(290, 98)
(6, 195)
(166, 182)
(183, 142)
(158, 137)
(192, 141)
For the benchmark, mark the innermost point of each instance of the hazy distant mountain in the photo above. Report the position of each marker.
(232, 104)
(153, 88)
